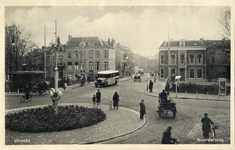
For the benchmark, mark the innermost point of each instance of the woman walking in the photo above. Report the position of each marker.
(115, 100)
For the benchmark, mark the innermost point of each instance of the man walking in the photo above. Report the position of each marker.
(150, 86)
(206, 126)
(142, 109)
(98, 95)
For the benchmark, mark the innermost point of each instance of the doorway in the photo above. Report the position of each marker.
(182, 74)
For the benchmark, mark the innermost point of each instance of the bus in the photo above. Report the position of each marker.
(108, 77)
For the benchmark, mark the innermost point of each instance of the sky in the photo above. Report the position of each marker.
(142, 28)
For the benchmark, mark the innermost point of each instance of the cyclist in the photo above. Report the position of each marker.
(27, 91)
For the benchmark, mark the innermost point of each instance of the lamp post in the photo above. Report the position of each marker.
(55, 92)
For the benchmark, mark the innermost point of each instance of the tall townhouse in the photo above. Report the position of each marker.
(185, 58)
(88, 55)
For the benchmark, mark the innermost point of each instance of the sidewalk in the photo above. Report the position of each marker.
(157, 88)
(119, 122)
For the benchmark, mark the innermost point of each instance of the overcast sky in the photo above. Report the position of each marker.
(142, 28)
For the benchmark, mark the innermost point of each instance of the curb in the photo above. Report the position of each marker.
(141, 124)
(152, 95)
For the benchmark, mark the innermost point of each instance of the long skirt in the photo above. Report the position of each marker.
(115, 104)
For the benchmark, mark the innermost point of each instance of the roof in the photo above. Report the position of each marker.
(187, 43)
(108, 71)
(93, 41)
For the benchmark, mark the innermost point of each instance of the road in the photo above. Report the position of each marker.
(186, 126)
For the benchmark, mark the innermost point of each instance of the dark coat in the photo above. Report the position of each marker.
(206, 125)
(115, 99)
(142, 110)
(166, 138)
(150, 85)
(98, 95)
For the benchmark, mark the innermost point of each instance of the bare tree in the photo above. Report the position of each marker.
(17, 44)
(225, 24)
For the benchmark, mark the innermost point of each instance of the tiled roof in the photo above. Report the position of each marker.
(75, 41)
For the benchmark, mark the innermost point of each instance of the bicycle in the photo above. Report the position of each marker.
(23, 98)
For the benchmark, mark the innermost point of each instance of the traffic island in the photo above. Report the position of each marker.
(118, 122)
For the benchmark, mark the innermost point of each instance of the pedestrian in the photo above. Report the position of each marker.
(98, 96)
(150, 86)
(166, 138)
(115, 100)
(110, 104)
(206, 126)
(142, 109)
(93, 99)
(167, 86)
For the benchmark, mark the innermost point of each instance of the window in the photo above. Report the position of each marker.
(182, 58)
(212, 59)
(97, 54)
(81, 54)
(91, 67)
(162, 73)
(105, 65)
(162, 59)
(69, 55)
(90, 54)
(199, 73)
(191, 71)
(191, 56)
(69, 65)
(173, 59)
(53, 59)
(199, 58)
(97, 65)
(172, 71)
(61, 58)
(106, 54)
(76, 66)
(76, 54)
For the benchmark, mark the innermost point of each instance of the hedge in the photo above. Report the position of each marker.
(44, 120)
(193, 88)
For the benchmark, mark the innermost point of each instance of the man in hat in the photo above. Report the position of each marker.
(166, 138)
(206, 126)
(142, 109)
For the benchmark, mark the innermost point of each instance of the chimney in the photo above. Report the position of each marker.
(58, 40)
(69, 37)
(202, 40)
(109, 42)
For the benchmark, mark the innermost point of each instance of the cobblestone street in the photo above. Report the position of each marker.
(186, 125)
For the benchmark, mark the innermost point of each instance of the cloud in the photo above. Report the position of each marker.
(143, 29)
